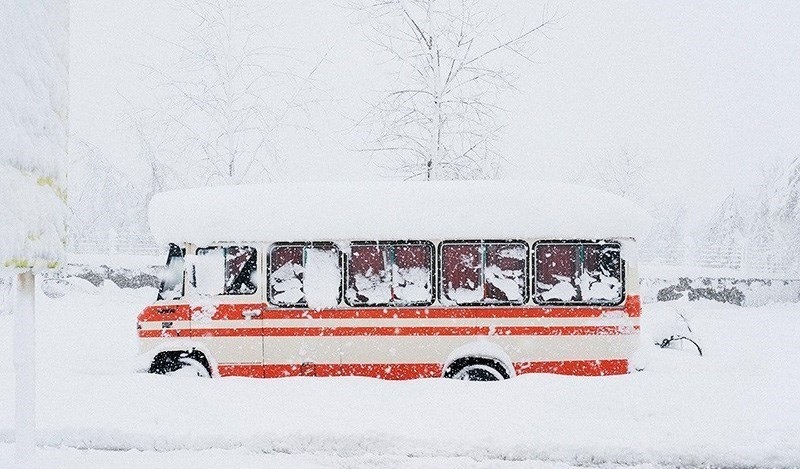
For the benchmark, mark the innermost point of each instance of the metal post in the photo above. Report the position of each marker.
(25, 371)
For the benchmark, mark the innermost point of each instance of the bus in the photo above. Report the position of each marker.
(471, 280)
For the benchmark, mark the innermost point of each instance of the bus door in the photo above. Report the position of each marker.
(227, 312)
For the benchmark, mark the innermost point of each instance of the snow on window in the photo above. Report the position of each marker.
(305, 275)
(209, 271)
(584, 273)
(286, 276)
(390, 274)
(484, 273)
(225, 270)
(323, 278)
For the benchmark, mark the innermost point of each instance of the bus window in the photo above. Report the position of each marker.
(390, 274)
(305, 275)
(286, 276)
(241, 264)
(225, 270)
(171, 286)
(578, 273)
(475, 273)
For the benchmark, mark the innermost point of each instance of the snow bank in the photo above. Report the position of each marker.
(737, 406)
(392, 210)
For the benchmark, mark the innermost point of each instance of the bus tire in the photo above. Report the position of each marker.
(476, 369)
(182, 363)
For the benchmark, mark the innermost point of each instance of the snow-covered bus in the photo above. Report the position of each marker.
(397, 280)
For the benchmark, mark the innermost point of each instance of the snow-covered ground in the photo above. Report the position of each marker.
(736, 406)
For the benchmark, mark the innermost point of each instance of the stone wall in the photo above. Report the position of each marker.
(743, 292)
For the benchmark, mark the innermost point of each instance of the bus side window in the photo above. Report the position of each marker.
(305, 275)
(171, 285)
(505, 273)
(461, 273)
(286, 276)
(368, 279)
(225, 270)
(241, 265)
(587, 273)
(556, 273)
(476, 273)
(390, 273)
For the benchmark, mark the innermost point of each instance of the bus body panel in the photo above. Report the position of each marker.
(247, 336)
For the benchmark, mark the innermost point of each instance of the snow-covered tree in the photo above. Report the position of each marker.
(785, 202)
(440, 119)
(784, 213)
(723, 237)
(763, 235)
(104, 202)
(727, 227)
(33, 141)
(668, 241)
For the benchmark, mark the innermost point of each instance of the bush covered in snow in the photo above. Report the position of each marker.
(96, 275)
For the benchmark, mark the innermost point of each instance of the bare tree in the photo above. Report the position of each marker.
(441, 119)
(219, 110)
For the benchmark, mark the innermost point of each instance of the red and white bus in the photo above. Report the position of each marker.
(467, 280)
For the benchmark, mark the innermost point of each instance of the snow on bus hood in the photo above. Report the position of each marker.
(385, 210)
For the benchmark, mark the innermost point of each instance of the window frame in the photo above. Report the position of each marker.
(622, 272)
(407, 242)
(526, 272)
(225, 254)
(302, 244)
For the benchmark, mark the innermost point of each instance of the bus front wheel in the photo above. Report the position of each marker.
(476, 369)
(180, 364)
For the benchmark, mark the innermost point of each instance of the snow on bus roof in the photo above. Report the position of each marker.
(390, 210)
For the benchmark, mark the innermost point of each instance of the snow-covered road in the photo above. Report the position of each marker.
(737, 406)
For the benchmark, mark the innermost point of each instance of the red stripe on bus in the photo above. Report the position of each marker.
(444, 331)
(575, 367)
(247, 371)
(157, 333)
(403, 371)
(427, 331)
(228, 332)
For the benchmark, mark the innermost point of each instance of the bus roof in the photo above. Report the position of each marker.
(391, 210)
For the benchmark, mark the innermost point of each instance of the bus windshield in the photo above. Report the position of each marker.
(171, 286)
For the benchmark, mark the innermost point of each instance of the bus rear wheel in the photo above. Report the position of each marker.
(476, 369)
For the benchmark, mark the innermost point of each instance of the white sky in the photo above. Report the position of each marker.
(707, 90)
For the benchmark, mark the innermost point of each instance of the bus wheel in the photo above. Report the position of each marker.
(180, 364)
(476, 369)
